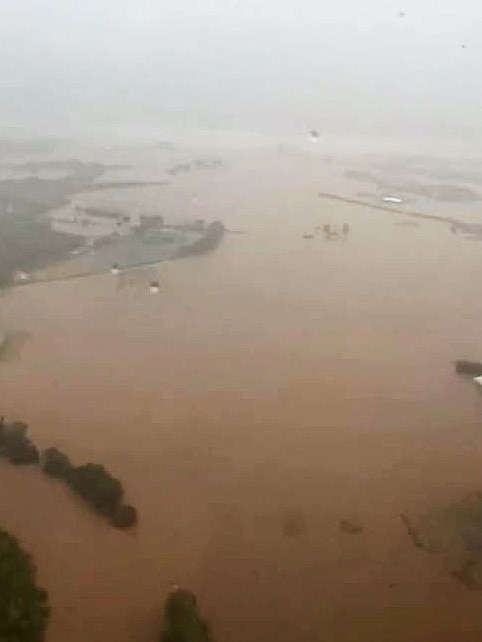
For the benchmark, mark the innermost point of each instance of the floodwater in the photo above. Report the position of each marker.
(278, 378)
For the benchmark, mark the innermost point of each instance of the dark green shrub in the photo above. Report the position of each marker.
(97, 487)
(124, 516)
(24, 607)
(182, 621)
(15, 444)
(56, 464)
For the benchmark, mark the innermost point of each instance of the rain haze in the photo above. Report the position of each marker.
(240, 346)
(378, 68)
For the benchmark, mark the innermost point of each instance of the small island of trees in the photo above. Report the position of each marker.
(91, 481)
(94, 484)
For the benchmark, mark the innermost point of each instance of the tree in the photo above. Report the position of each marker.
(23, 452)
(124, 516)
(24, 607)
(15, 444)
(182, 621)
(56, 464)
(97, 486)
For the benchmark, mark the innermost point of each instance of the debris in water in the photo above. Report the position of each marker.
(478, 380)
(416, 536)
(314, 135)
(351, 527)
(392, 199)
(114, 269)
(154, 287)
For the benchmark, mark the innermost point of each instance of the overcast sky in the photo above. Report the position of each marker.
(364, 66)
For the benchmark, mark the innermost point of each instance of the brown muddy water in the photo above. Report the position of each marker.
(277, 381)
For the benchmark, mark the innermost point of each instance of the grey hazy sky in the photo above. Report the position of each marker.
(263, 65)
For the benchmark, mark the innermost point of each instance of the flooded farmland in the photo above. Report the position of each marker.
(275, 388)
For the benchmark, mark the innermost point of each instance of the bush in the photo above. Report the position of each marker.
(94, 484)
(56, 464)
(124, 516)
(182, 621)
(14, 432)
(97, 487)
(15, 444)
(23, 453)
(24, 607)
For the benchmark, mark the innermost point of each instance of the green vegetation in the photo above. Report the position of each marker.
(124, 516)
(24, 607)
(211, 239)
(56, 464)
(94, 484)
(26, 240)
(91, 481)
(182, 621)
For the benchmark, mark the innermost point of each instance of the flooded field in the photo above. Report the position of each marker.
(273, 391)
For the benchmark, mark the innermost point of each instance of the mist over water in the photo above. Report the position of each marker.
(371, 69)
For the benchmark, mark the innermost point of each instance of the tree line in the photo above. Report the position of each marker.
(92, 482)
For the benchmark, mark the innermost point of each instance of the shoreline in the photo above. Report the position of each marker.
(207, 243)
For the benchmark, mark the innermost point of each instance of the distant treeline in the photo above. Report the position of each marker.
(103, 492)
(26, 240)
(211, 239)
(200, 163)
(69, 165)
(28, 145)
(123, 185)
